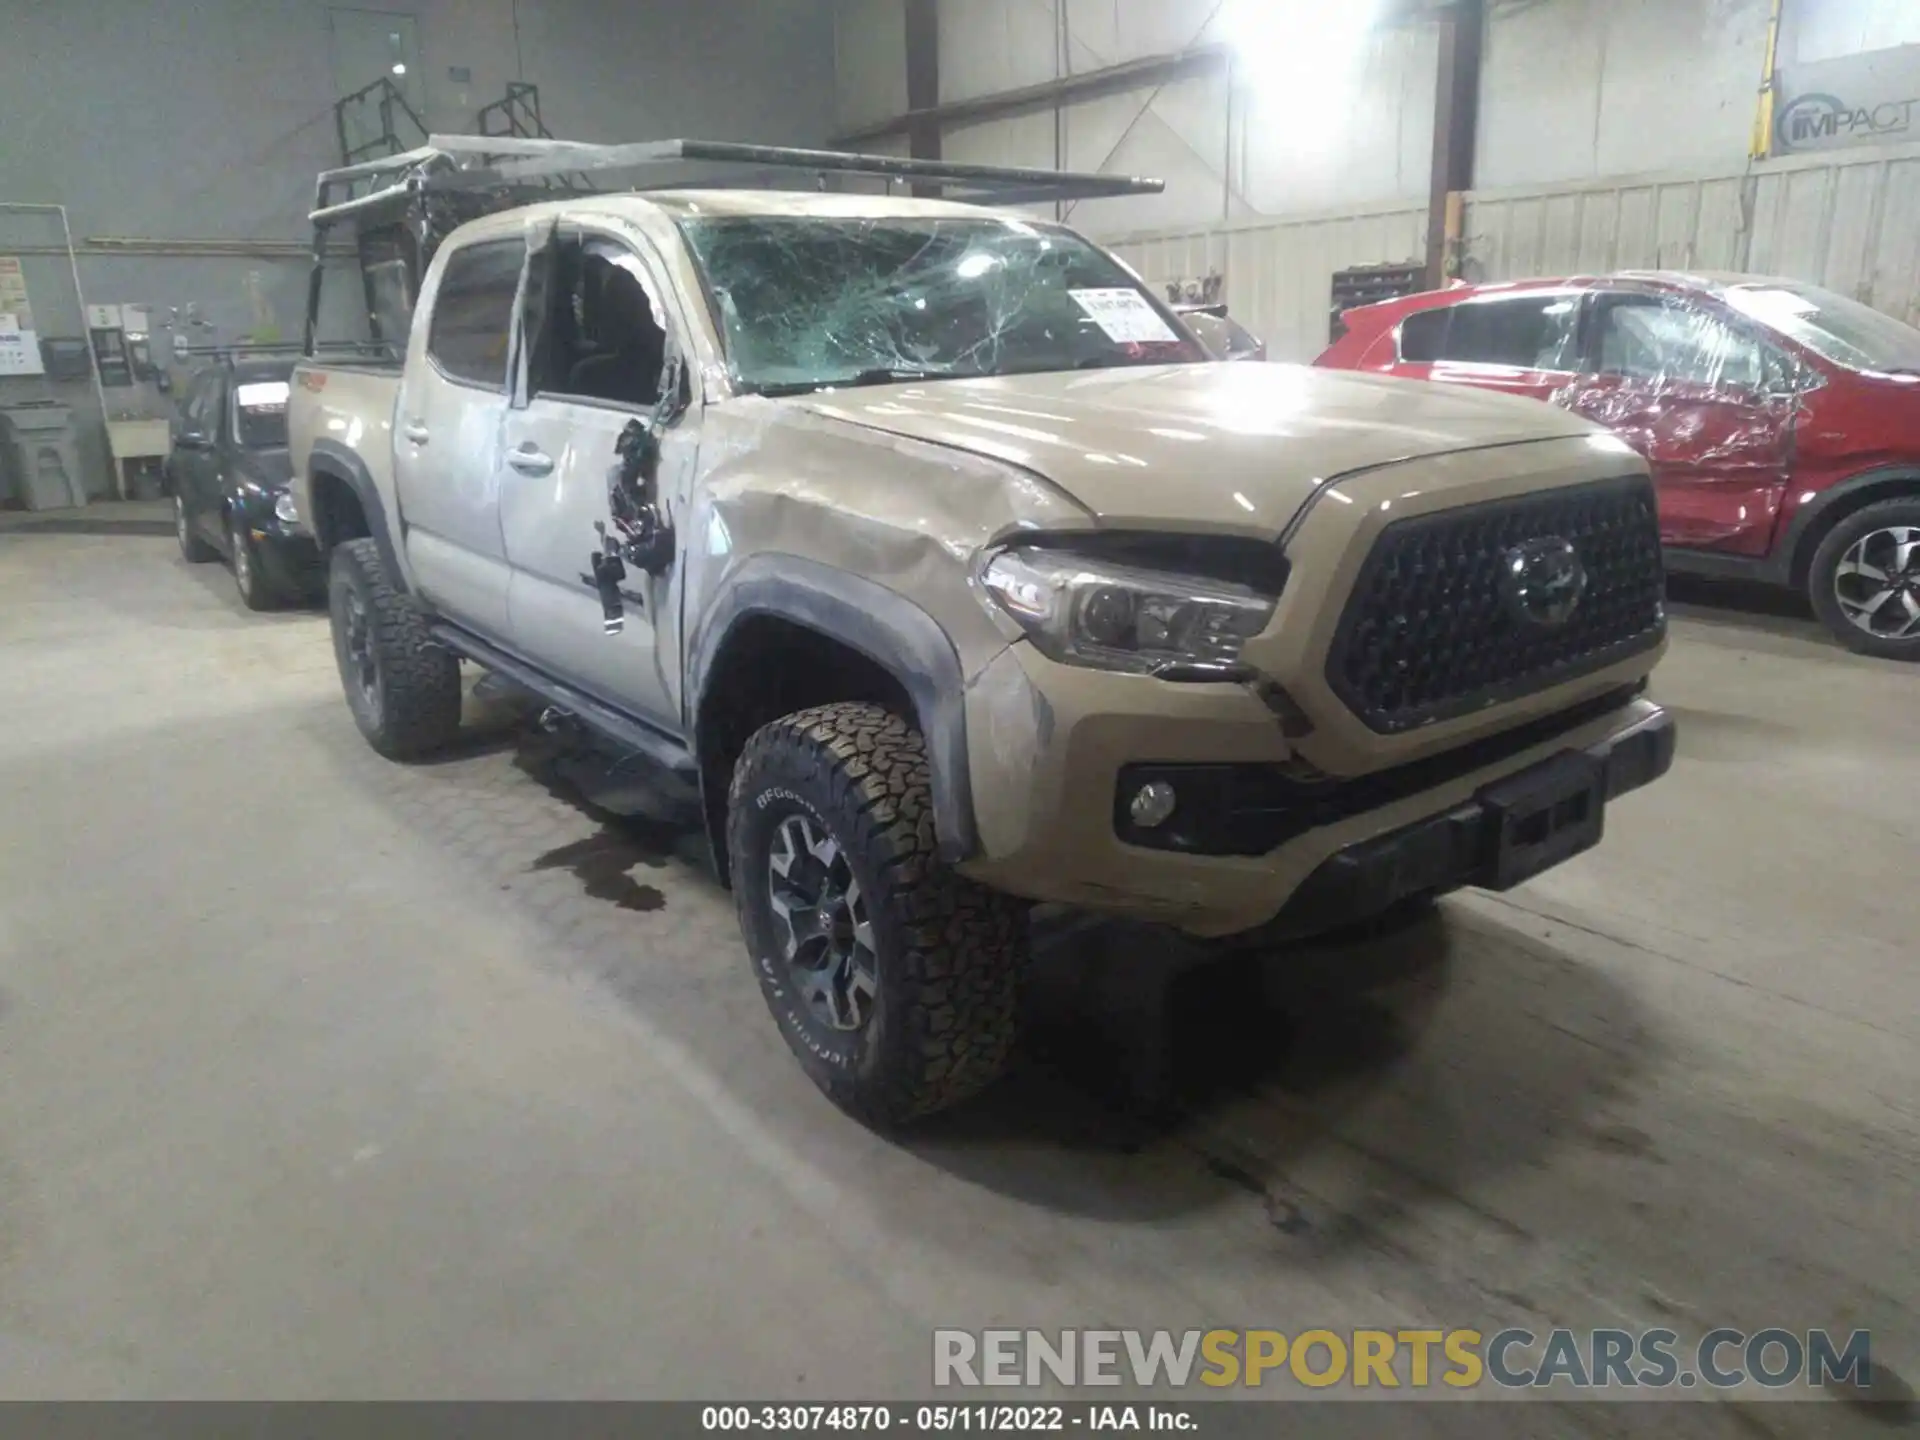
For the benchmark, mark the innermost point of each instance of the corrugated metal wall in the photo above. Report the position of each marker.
(1304, 124)
(1279, 273)
(1850, 221)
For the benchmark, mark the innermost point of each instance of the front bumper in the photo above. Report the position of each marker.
(1457, 848)
(1050, 752)
(287, 554)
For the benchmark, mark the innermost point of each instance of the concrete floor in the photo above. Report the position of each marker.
(321, 1076)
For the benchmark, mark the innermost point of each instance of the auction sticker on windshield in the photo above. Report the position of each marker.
(262, 395)
(1125, 315)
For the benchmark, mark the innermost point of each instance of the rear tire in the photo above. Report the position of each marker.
(403, 688)
(898, 991)
(193, 549)
(1865, 580)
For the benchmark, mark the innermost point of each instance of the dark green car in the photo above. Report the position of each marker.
(229, 474)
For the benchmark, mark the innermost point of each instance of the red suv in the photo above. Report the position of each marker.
(1782, 421)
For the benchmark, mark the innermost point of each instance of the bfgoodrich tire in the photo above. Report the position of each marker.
(895, 981)
(403, 689)
(1865, 580)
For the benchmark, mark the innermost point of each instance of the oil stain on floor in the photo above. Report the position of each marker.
(603, 862)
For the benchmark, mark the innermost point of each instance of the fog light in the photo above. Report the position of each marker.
(1152, 804)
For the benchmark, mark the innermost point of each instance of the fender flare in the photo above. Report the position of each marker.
(885, 627)
(330, 457)
(1812, 517)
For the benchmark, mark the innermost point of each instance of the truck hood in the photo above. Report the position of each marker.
(1197, 447)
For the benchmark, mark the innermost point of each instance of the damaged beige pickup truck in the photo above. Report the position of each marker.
(917, 549)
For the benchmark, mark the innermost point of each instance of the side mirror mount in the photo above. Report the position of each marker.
(676, 392)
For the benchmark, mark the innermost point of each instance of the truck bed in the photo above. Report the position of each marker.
(340, 418)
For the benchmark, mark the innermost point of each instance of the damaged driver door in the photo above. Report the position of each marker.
(597, 446)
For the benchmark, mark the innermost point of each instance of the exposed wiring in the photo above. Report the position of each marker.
(1062, 67)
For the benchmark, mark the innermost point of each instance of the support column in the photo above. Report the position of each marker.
(1456, 124)
(923, 83)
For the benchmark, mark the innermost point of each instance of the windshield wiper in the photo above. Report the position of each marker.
(878, 375)
(1123, 362)
(888, 375)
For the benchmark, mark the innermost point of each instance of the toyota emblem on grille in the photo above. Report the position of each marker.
(1542, 582)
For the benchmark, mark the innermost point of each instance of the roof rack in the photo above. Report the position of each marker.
(492, 162)
(238, 350)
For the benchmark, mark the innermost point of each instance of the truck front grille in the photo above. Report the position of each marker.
(1433, 629)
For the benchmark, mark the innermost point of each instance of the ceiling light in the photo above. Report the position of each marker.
(1307, 47)
(399, 67)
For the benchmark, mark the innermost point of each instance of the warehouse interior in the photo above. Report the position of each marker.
(330, 1076)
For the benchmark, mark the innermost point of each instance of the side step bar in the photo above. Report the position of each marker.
(664, 750)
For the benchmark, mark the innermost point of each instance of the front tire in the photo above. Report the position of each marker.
(257, 592)
(193, 549)
(894, 980)
(1865, 580)
(403, 687)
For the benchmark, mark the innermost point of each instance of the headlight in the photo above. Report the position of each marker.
(1084, 611)
(287, 509)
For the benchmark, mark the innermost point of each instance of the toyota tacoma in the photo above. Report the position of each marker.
(920, 554)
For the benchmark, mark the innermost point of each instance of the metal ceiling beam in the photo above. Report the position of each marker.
(923, 83)
(923, 77)
(1132, 75)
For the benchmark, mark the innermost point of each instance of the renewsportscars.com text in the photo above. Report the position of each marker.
(1583, 1360)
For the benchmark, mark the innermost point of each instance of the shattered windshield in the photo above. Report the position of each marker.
(1844, 331)
(806, 302)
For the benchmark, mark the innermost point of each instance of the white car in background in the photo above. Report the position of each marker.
(1224, 337)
